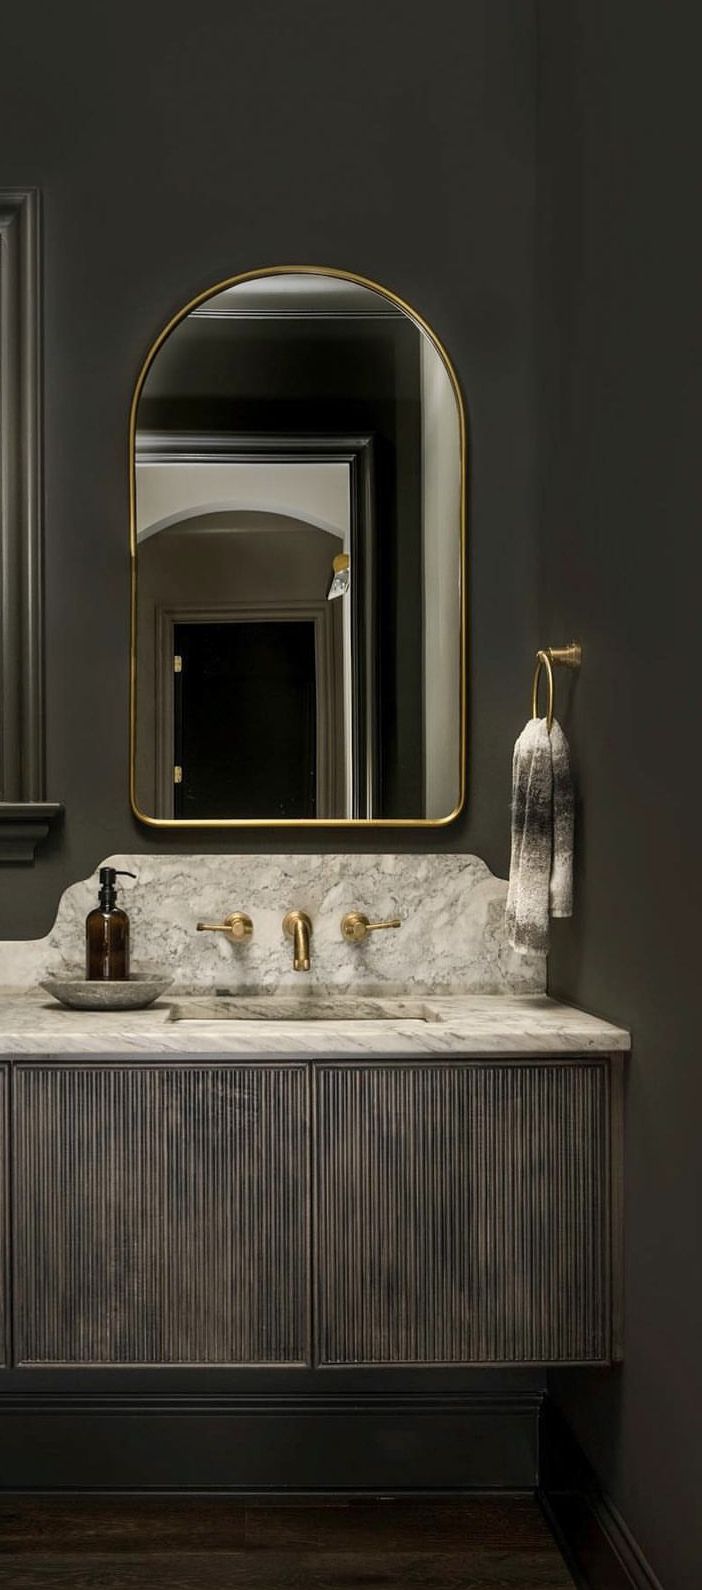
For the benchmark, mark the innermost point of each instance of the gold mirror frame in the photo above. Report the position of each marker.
(296, 822)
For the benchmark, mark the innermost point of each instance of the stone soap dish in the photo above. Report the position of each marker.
(82, 993)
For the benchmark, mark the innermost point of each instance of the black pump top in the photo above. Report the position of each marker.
(108, 890)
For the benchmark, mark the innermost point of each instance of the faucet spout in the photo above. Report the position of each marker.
(301, 953)
(298, 927)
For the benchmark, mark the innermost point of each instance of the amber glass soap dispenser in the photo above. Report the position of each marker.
(107, 933)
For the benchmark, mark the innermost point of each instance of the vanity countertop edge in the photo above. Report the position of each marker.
(513, 1026)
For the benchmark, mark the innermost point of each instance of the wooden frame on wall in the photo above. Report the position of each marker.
(25, 816)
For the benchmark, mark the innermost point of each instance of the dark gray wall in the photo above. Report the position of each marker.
(619, 568)
(175, 146)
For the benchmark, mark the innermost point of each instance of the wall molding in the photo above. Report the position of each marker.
(23, 826)
(25, 1404)
(21, 503)
(596, 1542)
(333, 1444)
(351, 1444)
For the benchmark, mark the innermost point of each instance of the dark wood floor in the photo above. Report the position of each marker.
(195, 1544)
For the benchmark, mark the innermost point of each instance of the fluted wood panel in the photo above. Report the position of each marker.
(4, 1173)
(161, 1214)
(463, 1213)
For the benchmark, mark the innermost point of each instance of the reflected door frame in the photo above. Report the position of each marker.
(331, 773)
(357, 452)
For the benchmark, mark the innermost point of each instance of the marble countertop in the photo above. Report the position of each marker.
(475, 1024)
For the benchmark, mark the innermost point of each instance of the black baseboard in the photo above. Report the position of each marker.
(254, 1445)
(599, 1548)
(372, 1444)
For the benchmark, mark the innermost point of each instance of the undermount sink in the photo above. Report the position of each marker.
(288, 1007)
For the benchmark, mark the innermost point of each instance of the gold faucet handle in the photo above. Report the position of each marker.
(238, 927)
(355, 926)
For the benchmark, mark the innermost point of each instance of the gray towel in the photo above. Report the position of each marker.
(541, 864)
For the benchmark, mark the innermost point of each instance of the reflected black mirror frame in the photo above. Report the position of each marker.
(357, 453)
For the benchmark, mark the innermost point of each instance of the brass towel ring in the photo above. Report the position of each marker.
(563, 656)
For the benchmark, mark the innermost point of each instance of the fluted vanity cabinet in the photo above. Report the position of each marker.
(161, 1214)
(4, 1189)
(322, 1214)
(465, 1213)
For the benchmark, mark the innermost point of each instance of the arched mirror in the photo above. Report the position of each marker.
(297, 534)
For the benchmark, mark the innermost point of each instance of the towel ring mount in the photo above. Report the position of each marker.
(562, 657)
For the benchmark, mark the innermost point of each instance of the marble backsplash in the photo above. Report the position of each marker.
(452, 938)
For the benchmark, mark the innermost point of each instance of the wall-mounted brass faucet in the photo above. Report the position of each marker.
(355, 926)
(297, 926)
(238, 927)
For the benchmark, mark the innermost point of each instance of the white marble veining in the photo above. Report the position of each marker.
(318, 1007)
(510, 1025)
(452, 939)
(451, 946)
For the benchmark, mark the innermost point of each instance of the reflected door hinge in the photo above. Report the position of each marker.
(177, 664)
(177, 775)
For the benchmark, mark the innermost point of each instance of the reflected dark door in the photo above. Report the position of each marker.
(245, 720)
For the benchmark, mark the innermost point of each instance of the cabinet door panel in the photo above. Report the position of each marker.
(4, 1275)
(463, 1213)
(161, 1214)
